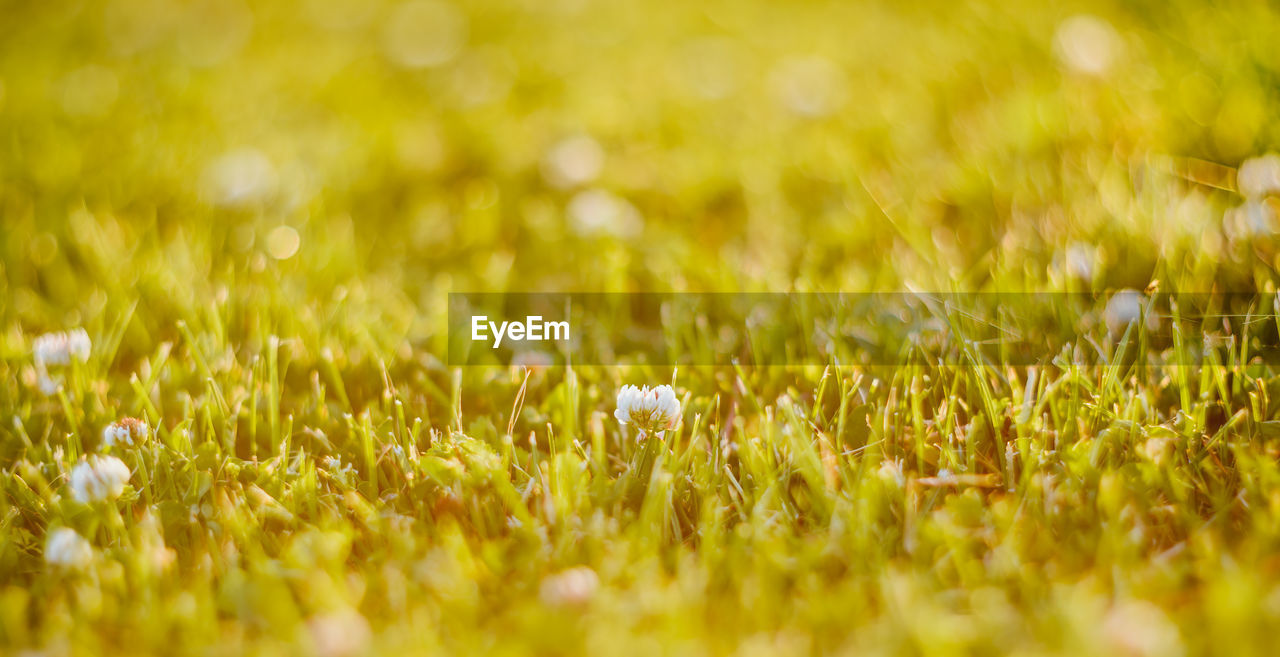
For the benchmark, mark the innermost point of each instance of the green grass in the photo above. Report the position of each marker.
(318, 480)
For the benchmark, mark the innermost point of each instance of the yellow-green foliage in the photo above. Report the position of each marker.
(256, 212)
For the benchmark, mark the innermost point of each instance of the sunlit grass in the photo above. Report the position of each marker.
(256, 213)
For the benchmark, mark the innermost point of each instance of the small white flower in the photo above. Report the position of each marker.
(574, 161)
(67, 549)
(125, 432)
(240, 178)
(1259, 177)
(651, 410)
(1087, 45)
(61, 348)
(115, 434)
(98, 478)
(1251, 219)
(49, 386)
(1139, 628)
(339, 633)
(1126, 307)
(1079, 260)
(572, 587)
(596, 213)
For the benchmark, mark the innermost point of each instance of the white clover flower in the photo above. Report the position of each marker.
(98, 478)
(1259, 176)
(572, 587)
(61, 348)
(651, 410)
(125, 432)
(1126, 307)
(1253, 218)
(596, 212)
(49, 386)
(1139, 628)
(240, 178)
(574, 161)
(1080, 260)
(1087, 44)
(339, 633)
(67, 549)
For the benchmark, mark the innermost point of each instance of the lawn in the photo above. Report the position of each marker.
(231, 421)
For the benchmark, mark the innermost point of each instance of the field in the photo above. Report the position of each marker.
(259, 444)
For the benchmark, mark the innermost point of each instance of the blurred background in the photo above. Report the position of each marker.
(339, 166)
(256, 213)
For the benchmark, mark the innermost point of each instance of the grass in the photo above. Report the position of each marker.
(257, 214)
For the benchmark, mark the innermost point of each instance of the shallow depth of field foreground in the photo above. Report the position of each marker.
(228, 232)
